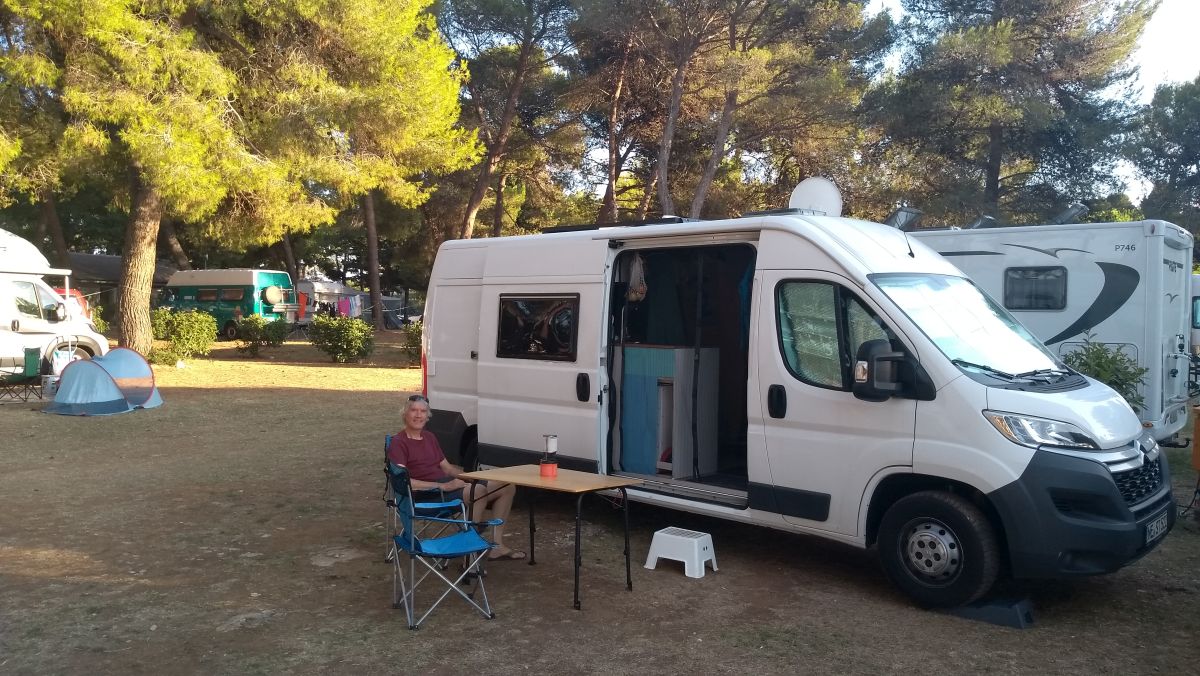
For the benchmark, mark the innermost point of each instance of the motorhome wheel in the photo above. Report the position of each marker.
(939, 549)
(229, 331)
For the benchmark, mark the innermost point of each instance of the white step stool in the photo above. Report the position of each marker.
(691, 547)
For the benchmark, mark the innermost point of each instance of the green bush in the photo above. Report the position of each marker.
(1111, 367)
(98, 319)
(192, 333)
(343, 338)
(163, 356)
(160, 323)
(255, 333)
(412, 341)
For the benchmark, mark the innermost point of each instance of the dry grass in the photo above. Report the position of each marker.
(238, 529)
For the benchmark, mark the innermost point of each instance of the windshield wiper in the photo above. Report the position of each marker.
(986, 369)
(1062, 373)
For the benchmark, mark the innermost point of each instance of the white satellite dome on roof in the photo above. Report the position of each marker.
(817, 194)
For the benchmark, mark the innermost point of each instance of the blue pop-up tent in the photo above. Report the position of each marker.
(118, 382)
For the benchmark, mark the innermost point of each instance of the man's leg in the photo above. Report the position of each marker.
(500, 501)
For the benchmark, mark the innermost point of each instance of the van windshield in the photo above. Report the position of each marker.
(966, 325)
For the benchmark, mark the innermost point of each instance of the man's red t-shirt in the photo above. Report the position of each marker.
(423, 457)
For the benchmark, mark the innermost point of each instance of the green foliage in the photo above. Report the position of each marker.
(412, 341)
(98, 319)
(342, 338)
(1110, 366)
(1167, 151)
(191, 333)
(163, 356)
(255, 333)
(160, 323)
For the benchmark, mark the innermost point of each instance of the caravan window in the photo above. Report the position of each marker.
(233, 294)
(1041, 288)
(206, 294)
(538, 327)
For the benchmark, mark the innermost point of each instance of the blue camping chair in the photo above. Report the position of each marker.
(461, 541)
(430, 502)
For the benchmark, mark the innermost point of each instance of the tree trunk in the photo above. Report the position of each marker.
(991, 190)
(644, 207)
(498, 209)
(49, 216)
(608, 208)
(668, 136)
(497, 148)
(368, 204)
(717, 154)
(137, 267)
(178, 255)
(289, 257)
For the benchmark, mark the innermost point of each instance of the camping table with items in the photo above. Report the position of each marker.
(567, 481)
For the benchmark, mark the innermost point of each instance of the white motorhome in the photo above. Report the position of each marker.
(32, 312)
(808, 373)
(1126, 284)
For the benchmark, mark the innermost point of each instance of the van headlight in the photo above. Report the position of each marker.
(1034, 432)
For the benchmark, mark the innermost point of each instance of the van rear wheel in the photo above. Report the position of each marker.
(229, 331)
(939, 549)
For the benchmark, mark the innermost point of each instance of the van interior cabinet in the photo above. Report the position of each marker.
(657, 412)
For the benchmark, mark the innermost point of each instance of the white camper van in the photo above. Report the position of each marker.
(1127, 284)
(32, 312)
(809, 373)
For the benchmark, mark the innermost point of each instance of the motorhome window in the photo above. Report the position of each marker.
(1196, 312)
(233, 294)
(26, 299)
(821, 327)
(538, 327)
(1040, 288)
(964, 323)
(48, 301)
(206, 294)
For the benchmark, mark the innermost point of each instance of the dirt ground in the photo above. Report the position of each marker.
(239, 530)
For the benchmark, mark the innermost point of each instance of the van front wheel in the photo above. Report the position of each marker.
(939, 549)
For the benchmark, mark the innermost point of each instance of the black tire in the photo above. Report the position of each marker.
(229, 331)
(939, 549)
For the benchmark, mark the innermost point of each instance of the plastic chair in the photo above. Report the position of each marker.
(463, 541)
(26, 382)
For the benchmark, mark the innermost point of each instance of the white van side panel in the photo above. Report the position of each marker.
(451, 333)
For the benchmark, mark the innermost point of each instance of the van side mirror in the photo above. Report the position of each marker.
(881, 372)
(60, 312)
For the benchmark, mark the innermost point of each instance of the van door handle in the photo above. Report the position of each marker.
(16, 325)
(583, 387)
(776, 401)
(474, 354)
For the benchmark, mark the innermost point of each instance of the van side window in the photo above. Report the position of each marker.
(1196, 312)
(821, 327)
(26, 299)
(538, 327)
(1038, 288)
(233, 294)
(206, 294)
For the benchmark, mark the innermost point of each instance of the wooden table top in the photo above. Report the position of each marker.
(567, 481)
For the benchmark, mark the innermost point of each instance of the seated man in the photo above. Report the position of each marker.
(418, 451)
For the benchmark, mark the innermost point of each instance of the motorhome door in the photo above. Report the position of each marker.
(823, 444)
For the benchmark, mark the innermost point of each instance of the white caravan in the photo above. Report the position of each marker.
(814, 374)
(1127, 284)
(32, 313)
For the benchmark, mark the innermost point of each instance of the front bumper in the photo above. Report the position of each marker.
(1066, 516)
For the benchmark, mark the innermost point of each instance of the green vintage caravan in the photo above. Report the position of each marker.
(231, 294)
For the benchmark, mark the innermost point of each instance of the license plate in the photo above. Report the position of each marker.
(1156, 528)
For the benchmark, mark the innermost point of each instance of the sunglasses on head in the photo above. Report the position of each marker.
(418, 397)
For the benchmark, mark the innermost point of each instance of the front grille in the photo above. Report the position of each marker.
(1138, 484)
